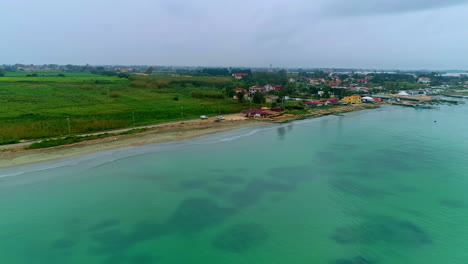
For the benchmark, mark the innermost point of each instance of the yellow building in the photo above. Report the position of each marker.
(354, 99)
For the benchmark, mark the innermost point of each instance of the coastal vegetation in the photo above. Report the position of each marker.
(48, 143)
(51, 104)
(40, 103)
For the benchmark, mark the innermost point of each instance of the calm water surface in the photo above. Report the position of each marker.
(378, 186)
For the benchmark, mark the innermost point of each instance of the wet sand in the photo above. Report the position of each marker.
(16, 155)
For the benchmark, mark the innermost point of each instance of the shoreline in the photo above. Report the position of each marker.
(169, 132)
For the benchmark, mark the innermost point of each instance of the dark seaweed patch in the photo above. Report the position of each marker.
(453, 204)
(405, 188)
(409, 211)
(367, 173)
(256, 189)
(382, 229)
(343, 261)
(152, 177)
(344, 146)
(63, 244)
(356, 189)
(346, 235)
(294, 175)
(120, 257)
(399, 159)
(412, 233)
(241, 237)
(217, 170)
(142, 259)
(276, 199)
(355, 260)
(117, 258)
(216, 190)
(198, 184)
(113, 241)
(193, 215)
(104, 225)
(147, 231)
(110, 241)
(230, 179)
(328, 157)
(193, 184)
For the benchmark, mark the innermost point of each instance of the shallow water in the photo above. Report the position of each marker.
(376, 186)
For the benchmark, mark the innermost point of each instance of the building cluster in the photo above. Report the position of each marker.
(257, 88)
(265, 89)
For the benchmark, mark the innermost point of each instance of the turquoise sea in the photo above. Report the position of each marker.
(379, 186)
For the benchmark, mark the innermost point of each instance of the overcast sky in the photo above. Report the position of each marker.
(384, 34)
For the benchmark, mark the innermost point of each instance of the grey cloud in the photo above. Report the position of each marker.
(317, 33)
(376, 7)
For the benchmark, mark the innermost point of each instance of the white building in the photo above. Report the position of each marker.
(424, 80)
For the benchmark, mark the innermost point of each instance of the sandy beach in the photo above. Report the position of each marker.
(16, 155)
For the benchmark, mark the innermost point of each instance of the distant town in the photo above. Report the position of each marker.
(42, 101)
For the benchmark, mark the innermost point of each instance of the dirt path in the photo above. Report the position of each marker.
(231, 117)
(16, 155)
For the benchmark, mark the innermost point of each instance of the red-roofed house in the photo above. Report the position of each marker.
(316, 81)
(269, 87)
(314, 104)
(257, 88)
(260, 112)
(238, 90)
(332, 102)
(335, 82)
(239, 75)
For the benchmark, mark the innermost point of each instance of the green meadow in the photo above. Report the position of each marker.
(40, 107)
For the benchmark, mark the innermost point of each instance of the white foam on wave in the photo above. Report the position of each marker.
(58, 164)
(36, 168)
(253, 132)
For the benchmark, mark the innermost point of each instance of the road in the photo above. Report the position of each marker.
(117, 131)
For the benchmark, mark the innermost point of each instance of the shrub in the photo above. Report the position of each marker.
(207, 94)
(87, 87)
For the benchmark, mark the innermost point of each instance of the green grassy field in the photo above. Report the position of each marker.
(53, 77)
(38, 107)
(52, 74)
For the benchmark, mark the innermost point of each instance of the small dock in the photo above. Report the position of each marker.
(455, 95)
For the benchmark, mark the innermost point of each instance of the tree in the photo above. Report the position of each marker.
(149, 70)
(123, 75)
(216, 71)
(240, 96)
(2, 73)
(283, 76)
(258, 98)
(230, 92)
